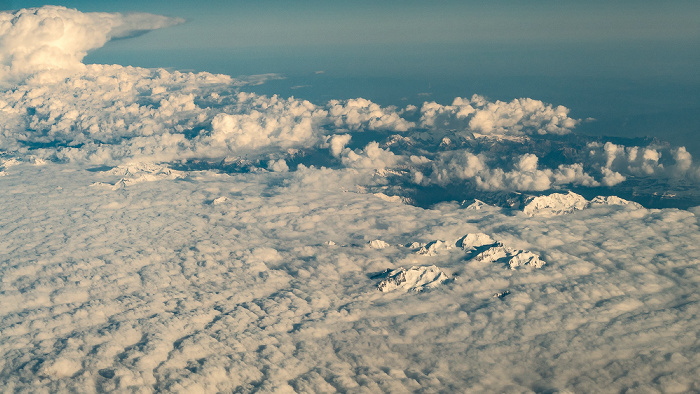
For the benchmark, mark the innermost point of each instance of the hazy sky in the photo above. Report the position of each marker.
(235, 24)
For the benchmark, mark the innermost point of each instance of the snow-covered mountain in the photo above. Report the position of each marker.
(561, 204)
(414, 279)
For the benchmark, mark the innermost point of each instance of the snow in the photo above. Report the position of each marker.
(614, 200)
(434, 248)
(378, 244)
(414, 279)
(554, 204)
(562, 204)
(475, 206)
(473, 241)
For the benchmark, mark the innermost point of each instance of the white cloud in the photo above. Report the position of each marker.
(525, 174)
(356, 114)
(270, 121)
(371, 157)
(158, 287)
(338, 142)
(111, 113)
(611, 178)
(609, 165)
(57, 38)
(434, 115)
(278, 165)
(266, 280)
(617, 162)
(518, 117)
(573, 174)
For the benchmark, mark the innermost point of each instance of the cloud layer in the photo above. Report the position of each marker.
(164, 231)
(227, 282)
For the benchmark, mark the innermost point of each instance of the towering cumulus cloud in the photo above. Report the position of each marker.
(57, 38)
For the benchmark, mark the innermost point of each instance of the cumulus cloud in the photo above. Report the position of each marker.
(616, 162)
(361, 113)
(104, 114)
(109, 114)
(57, 38)
(518, 117)
(524, 175)
(337, 143)
(370, 157)
(269, 121)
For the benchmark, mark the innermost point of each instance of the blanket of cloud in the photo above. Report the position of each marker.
(164, 231)
(268, 281)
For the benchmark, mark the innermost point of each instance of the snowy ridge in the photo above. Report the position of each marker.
(219, 200)
(484, 248)
(554, 204)
(377, 244)
(140, 172)
(613, 200)
(476, 205)
(561, 204)
(396, 199)
(412, 279)
(513, 258)
(479, 247)
(472, 241)
(434, 248)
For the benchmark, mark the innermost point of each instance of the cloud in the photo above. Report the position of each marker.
(658, 161)
(337, 143)
(518, 117)
(164, 231)
(156, 286)
(113, 115)
(371, 157)
(284, 123)
(525, 174)
(360, 113)
(57, 38)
